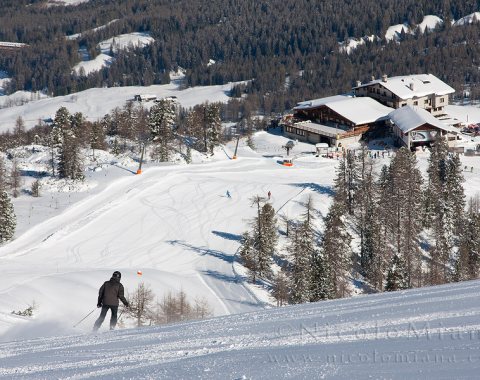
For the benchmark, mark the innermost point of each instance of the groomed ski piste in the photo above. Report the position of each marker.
(177, 226)
(431, 333)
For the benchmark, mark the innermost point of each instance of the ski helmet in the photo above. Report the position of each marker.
(117, 274)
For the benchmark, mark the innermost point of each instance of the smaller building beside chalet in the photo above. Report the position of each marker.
(423, 90)
(337, 120)
(414, 126)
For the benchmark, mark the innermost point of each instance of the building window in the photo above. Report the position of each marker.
(300, 132)
(403, 104)
(425, 101)
(415, 103)
(442, 100)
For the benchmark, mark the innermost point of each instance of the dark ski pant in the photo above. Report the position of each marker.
(113, 319)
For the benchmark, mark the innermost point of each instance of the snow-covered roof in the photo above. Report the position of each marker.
(412, 86)
(359, 110)
(408, 118)
(309, 104)
(12, 44)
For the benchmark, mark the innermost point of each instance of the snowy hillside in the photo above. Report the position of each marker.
(430, 333)
(174, 223)
(96, 102)
(92, 65)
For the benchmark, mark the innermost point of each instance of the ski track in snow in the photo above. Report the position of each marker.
(177, 225)
(172, 222)
(369, 336)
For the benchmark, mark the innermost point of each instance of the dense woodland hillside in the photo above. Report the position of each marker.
(289, 47)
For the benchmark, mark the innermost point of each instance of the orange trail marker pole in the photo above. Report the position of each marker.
(139, 171)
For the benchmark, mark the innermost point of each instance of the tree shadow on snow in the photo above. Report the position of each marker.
(221, 276)
(328, 190)
(204, 251)
(227, 235)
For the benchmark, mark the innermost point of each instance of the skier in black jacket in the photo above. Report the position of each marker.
(108, 295)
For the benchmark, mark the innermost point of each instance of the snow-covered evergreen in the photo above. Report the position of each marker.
(161, 123)
(8, 219)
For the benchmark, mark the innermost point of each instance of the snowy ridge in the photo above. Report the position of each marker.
(428, 333)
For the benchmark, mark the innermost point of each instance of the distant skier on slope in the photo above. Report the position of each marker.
(228, 194)
(108, 295)
(269, 194)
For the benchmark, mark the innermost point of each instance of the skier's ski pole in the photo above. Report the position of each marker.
(75, 325)
(121, 313)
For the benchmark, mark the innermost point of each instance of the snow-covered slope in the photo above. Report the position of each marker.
(96, 64)
(94, 103)
(174, 223)
(124, 41)
(469, 19)
(430, 333)
(394, 31)
(430, 22)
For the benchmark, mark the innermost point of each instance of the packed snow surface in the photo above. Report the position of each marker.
(430, 333)
(176, 225)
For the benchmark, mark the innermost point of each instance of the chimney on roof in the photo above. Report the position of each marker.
(373, 78)
(359, 83)
(412, 86)
(384, 78)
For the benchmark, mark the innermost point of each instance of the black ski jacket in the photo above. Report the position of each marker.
(110, 292)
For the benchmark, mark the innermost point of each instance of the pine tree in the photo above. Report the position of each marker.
(268, 238)
(321, 276)
(455, 194)
(35, 188)
(15, 179)
(264, 235)
(213, 125)
(340, 185)
(8, 221)
(70, 163)
(397, 277)
(467, 262)
(405, 181)
(281, 288)
(335, 246)
(379, 266)
(3, 174)
(445, 201)
(249, 256)
(97, 137)
(352, 180)
(366, 198)
(161, 122)
(300, 270)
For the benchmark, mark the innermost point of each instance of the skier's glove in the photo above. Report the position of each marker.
(99, 305)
